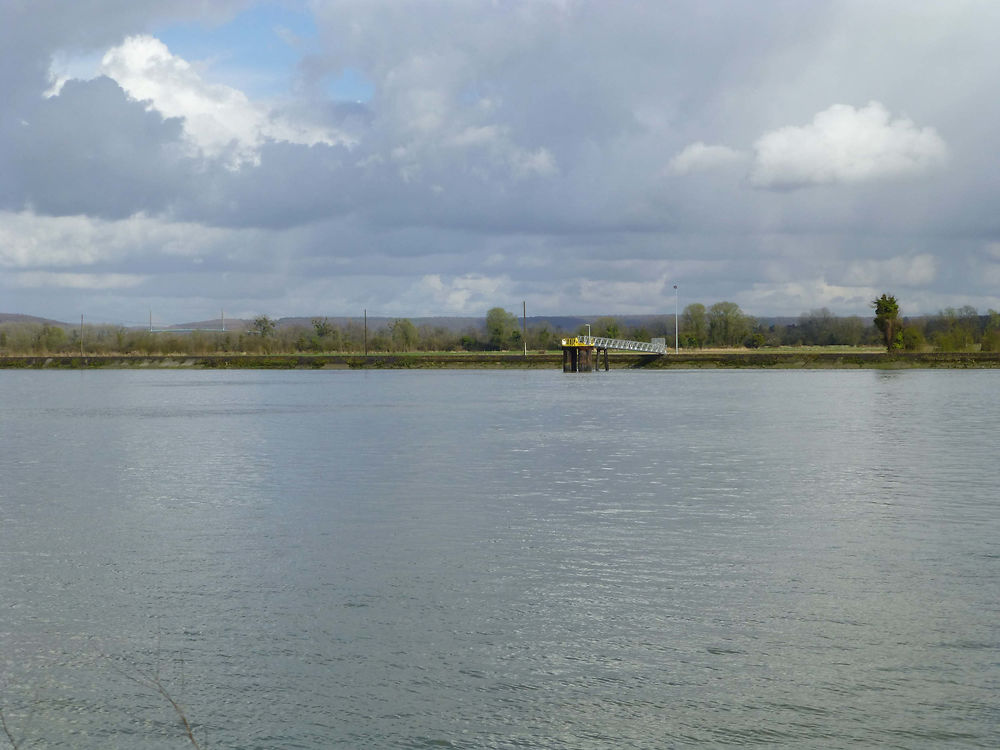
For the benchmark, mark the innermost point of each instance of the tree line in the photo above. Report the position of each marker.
(720, 325)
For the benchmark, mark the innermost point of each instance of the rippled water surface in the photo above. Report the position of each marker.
(500, 559)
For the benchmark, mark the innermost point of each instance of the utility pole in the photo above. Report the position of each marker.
(366, 331)
(81, 335)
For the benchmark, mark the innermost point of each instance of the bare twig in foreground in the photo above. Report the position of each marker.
(6, 730)
(153, 683)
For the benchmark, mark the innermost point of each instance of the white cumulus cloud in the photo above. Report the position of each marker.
(218, 119)
(846, 145)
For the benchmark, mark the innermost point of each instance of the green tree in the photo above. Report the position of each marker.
(913, 338)
(380, 340)
(121, 336)
(727, 325)
(694, 325)
(541, 338)
(52, 339)
(435, 339)
(991, 336)
(638, 333)
(263, 326)
(607, 327)
(818, 327)
(822, 328)
(403, 334)
(262, 330)
(501, 328)
(887, 320)
(322, 327)
(849, 330)
(326, 337)
(957, 330)
(991, 341)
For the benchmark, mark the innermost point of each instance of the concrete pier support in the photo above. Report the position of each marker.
(569, 359)
(580, 358)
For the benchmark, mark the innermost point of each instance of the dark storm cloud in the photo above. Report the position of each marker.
(92, 151)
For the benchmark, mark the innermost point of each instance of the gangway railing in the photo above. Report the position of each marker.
(659, 347)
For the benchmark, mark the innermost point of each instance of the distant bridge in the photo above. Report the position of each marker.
(657, 346)
(582, 353)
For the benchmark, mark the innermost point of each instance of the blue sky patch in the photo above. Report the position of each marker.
(256, 52)
(259, 50)
(351, 86)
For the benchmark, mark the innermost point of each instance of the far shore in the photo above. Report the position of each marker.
(734, 359)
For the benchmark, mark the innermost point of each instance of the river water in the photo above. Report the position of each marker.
(498, 559)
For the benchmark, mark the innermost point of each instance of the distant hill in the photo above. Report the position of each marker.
(15, 318)
(449, 324)
(374, 323)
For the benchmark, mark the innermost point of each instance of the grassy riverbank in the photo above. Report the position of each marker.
(814, 358)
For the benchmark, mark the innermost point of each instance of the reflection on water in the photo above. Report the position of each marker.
(500, 559)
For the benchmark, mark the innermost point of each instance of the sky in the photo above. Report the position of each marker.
(442, 157)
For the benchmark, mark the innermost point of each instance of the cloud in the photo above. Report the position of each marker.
(219, 120)
(986, 265)
(90, 150)
(846, 145)
(92, 281)
(698, 157)
(32, 241)
(461, 295)
(507, 151)
(64, 68)
(628, 296)
(807, 294)
(905, 270)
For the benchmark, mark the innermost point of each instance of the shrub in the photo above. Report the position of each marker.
(913, 339)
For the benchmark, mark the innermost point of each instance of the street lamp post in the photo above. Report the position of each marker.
(588, 329)
(676, 341)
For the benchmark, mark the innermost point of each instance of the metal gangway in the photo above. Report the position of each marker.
(657, 346)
